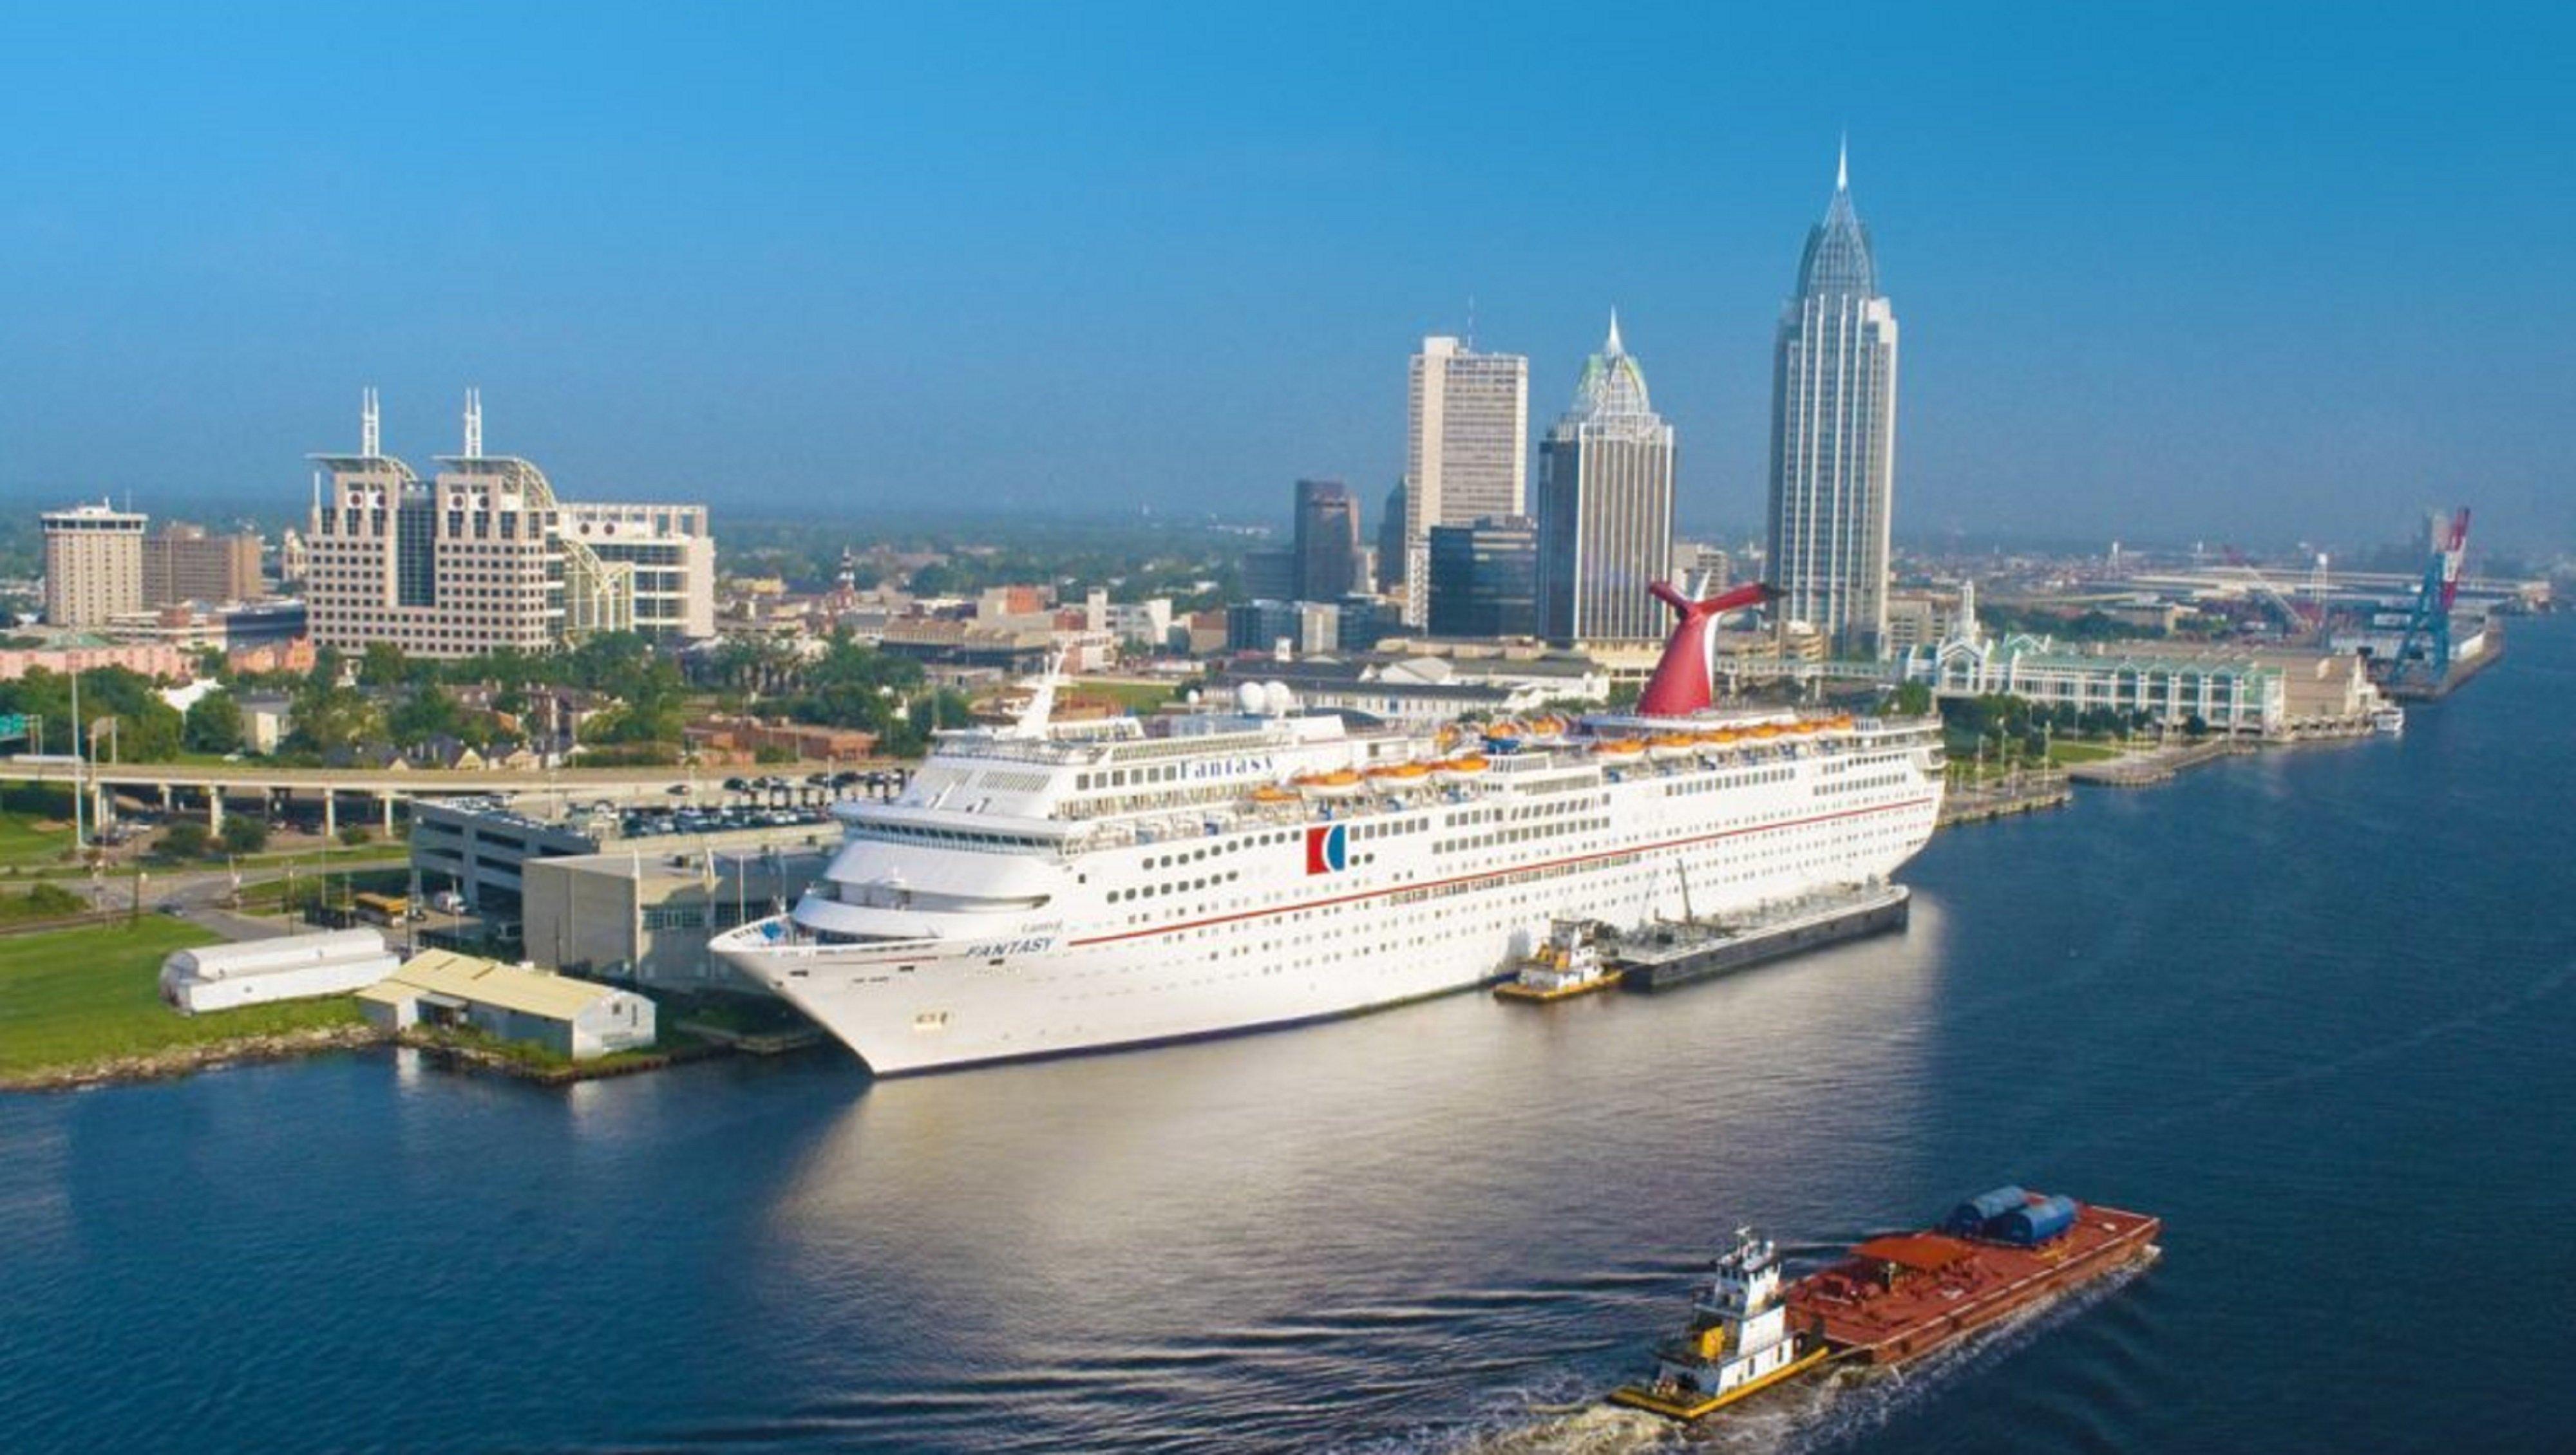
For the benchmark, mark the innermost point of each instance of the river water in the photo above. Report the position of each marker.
(2314, 1007)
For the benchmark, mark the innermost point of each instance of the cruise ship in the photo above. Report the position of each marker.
(1045, 888)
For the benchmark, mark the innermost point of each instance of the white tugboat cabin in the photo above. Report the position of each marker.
(1738, 1341)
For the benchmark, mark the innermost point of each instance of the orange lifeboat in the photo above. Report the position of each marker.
(1453, 769)
(1272, 793)
(1340, 783)
(1670, 745)
(1619, 750)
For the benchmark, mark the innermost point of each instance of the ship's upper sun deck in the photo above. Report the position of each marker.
(1107, 786)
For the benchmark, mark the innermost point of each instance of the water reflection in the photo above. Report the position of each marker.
(1232, 1226)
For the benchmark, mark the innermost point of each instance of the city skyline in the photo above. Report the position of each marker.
(868, 294)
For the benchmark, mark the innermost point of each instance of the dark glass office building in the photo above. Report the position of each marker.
(1484, 578)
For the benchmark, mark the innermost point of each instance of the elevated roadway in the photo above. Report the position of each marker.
(177, 786)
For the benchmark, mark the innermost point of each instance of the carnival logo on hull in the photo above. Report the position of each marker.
(1327, 850)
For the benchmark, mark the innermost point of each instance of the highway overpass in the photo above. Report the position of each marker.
(179, 788)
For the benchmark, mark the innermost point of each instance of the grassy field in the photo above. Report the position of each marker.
(1138, 697)
(30, 840)
(337, 882)
(80, 996)
(2062, 753)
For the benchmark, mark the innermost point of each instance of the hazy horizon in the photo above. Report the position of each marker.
(2163, 276)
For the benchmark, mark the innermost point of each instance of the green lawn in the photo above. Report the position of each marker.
(1138, 697)
(77, 996)
(30, 840)
(2063, 753)
(338, 882)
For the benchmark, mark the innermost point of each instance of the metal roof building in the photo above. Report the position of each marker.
(573, 1018)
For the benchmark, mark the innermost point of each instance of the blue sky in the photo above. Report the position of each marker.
(2239, 273)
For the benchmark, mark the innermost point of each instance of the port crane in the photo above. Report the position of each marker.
(2425, 650)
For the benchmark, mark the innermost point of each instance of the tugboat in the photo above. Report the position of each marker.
(1568, 964)
(1738, 1341)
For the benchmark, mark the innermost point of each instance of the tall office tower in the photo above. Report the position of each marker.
(1484, 578)
(184, 563)
(485, 556)
(1605, 508)
(1833, 436)
(1390, 541)
(1466, 450)
(1328, 540)
(93, 564)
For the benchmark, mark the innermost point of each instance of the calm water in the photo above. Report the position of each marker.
(2314, 1007)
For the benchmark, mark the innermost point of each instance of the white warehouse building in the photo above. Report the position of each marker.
(222, 977)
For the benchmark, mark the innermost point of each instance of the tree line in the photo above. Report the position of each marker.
(381, 696)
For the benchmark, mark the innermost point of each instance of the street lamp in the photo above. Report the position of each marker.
(80, 845)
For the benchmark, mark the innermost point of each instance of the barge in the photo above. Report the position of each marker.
(1900, 1297)
(1670, 955)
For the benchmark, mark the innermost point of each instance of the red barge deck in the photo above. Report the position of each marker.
(1899, 1297)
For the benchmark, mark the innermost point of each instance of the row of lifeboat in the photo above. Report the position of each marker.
(1665, 747)
(1661, 747)
(1350, 782)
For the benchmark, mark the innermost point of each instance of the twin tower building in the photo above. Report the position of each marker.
(1603, 511)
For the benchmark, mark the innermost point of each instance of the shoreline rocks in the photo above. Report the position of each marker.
(187, 1060)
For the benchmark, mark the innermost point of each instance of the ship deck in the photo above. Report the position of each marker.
(1903, 1296)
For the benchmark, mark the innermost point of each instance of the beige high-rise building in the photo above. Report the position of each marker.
(1466, 450)
(483, 556)
(183, 563)
(93, 564)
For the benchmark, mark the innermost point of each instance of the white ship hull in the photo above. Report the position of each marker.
(1251, 922)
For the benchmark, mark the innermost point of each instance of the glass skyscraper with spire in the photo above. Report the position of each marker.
(1833, 437)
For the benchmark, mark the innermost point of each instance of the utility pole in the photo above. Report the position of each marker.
(80, 779)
